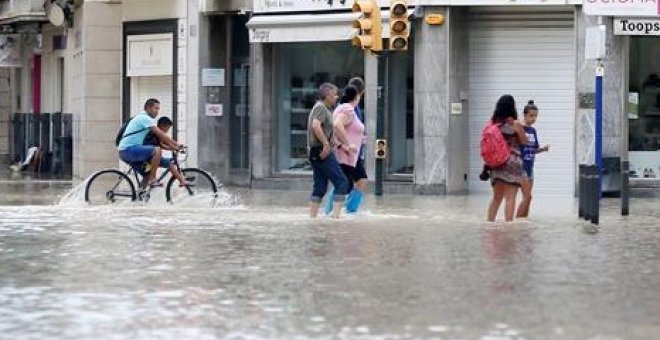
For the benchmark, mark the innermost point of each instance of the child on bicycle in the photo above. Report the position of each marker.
(164, 124)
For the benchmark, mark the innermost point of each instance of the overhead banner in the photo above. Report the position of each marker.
(620, 8)
(10, 50)
(633, 26)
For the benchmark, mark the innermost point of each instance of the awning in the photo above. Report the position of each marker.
(23, 18)
(307, 27)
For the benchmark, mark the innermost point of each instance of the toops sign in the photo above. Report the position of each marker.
(628, 26)
(632, 8)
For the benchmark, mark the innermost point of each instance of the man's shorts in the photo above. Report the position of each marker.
(139, 156)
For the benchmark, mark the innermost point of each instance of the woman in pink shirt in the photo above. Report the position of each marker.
(349, 135)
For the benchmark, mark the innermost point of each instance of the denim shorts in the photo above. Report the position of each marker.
(324, 171)
(137, 154)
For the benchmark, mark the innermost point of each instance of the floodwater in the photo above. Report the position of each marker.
(259, 268)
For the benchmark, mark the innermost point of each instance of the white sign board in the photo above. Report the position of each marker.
(595, 42)
(633, 26)
(10, 50)
(213, 77)
(633, 8)
(150, 55)
(214, 110)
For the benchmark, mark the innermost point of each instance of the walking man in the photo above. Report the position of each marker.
(324, 164)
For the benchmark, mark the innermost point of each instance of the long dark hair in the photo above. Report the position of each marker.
(349, 94)
(504, 108)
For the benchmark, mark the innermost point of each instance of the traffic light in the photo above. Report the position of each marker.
(399, 25)
(370, 36)
(381, 148)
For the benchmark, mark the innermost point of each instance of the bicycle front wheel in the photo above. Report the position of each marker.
(202, 188)
(109, 187)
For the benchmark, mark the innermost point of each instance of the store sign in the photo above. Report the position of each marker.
(213, 110)
(629, 26)
(10, 50)
(150, 55)
(633, 8)
(305, 5)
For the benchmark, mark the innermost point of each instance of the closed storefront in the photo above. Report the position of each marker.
(530, 54)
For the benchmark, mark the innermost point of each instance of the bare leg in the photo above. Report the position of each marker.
(496, 201)
(155, 162)
(337, 209)
(510, 192)
(314, 209)
(177, 175)
(526, 189)
(362, 185)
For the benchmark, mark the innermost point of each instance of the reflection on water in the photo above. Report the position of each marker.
(407, 268)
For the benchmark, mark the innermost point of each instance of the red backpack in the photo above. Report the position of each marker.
(495, 151)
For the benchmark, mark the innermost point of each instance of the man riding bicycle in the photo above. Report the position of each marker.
(131, 147)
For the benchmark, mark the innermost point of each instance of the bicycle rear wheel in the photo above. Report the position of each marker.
(109, 187)
(203, 189)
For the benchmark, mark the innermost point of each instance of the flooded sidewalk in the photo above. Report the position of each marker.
(259, 268)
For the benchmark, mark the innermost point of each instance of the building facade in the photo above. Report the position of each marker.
(438, 95)
(239, 78)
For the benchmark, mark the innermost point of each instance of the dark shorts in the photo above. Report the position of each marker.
(528, 168)
(324, 171)
(360, 173)
(139, 156)
(137, 153)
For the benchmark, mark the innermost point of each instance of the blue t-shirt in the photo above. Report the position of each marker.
(530, 149)
(140, 124)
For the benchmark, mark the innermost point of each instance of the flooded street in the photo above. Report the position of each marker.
(406, 268)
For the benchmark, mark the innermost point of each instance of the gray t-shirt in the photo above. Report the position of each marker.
(321, 113)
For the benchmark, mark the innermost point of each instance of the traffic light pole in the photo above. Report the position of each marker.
(383, 60)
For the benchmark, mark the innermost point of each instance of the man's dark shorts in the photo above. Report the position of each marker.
(137, 156)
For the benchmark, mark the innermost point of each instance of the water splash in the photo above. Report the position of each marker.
(74, 197)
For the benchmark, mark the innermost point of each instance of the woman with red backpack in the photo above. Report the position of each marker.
(500, 149)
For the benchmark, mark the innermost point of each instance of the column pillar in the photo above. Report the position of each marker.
(95, 54)
(431, 113)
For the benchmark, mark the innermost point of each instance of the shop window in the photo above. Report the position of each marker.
(400, 115)
(644, 108)
(299, 70)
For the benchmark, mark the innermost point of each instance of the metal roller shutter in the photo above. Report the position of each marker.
(530, 55)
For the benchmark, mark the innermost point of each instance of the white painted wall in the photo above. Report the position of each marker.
(137, 10)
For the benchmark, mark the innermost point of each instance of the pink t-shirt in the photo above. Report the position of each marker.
(355, 131)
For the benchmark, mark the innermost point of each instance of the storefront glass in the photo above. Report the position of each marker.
(400, 115)
(299, 70)
(644, 108)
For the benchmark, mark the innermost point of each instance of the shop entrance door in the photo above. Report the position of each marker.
(239, 120)
(399, 119)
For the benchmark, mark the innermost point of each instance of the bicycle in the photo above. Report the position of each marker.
(114, 186)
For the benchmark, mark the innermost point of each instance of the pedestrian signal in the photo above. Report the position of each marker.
(399, 25)
(381, 148)
(370, 36)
